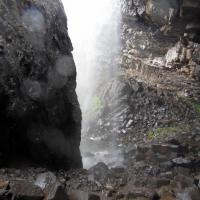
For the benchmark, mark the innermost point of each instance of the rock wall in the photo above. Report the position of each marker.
(40, 117)
(158, 84)
(160, 64)
(131, 8)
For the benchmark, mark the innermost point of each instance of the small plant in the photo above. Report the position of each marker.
(191, 103)
(96, 104)
(194, 104)
(164, 132)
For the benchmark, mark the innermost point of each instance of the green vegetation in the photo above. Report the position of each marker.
(164, 132)
(96, 104)
(194, 104)
(191, 103)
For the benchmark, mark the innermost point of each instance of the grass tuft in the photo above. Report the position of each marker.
(164, 132)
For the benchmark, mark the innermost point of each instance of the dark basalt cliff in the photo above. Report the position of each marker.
(40, 117)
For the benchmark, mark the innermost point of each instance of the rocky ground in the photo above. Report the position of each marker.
(167, 169)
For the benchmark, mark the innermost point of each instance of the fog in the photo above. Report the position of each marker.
(93, 29)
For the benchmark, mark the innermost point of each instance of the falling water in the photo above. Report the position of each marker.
(93, 28)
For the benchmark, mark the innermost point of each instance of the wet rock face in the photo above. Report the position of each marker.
(132, 7)
(181, 13)
(40, 117)
(162, 11)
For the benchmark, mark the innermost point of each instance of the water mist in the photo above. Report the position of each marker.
(94, 31)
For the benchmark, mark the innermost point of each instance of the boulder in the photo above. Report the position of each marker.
(82, 195)
(168, 196)
(6, 195)
(4, 190)
(197, 72)
(138, 192)
(131, 8)
(51, 187)
(158, 182)
(184, 181)
(94, 197)
(165, 149)
(190, 9)
(183, 162)
(78, 195)
(162, 11)
(4, 185)
(25, 190)
(40, 116)
(100, 172)
(189, 193)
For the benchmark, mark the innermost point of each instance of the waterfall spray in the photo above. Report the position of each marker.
(94, 30)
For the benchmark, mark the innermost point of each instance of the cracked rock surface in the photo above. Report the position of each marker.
(40, 117)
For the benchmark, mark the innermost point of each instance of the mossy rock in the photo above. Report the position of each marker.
(164, 132)
(193, 104)
(95, 105)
